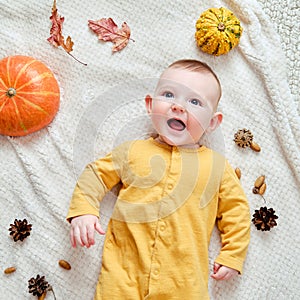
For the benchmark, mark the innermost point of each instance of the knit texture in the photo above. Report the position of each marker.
(102, 105)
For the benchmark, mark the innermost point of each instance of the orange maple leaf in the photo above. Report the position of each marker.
(108, 31)
(56, 38)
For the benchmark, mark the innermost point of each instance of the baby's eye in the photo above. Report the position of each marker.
(195, 102)
(168, 95)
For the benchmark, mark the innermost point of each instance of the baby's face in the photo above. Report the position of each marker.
(183, 106)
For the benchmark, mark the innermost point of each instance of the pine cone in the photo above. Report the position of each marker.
(20, 230)
(264, 218)
(38, 286)
(243, 138)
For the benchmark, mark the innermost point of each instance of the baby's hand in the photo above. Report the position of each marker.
(83, 229)
(223, 272)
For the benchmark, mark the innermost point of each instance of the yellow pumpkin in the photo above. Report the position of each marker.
(218, 31)
(29, 95)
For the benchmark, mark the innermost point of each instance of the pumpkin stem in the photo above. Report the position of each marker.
(221, 26)
(11, 92)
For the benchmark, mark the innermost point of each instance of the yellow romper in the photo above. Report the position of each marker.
(156, 244)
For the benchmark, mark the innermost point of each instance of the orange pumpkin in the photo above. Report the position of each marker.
(29, 95)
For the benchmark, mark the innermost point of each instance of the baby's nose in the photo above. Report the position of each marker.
(177, 108)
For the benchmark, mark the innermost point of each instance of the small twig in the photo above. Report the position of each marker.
(53, 294)
(77, 59)
(50, 289)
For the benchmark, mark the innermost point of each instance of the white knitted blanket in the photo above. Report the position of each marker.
(102, 105)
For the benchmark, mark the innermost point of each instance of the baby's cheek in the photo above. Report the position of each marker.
(160, 106)
(200, 122)
(197, 127)
(158, 121)
(197, 124)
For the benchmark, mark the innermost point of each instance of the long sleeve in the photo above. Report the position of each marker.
(233, 221)
(96, 179)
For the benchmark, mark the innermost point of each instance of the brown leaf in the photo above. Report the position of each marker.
(56, 38)
(68, 46)
(108, 31)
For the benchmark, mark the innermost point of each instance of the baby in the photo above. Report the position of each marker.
(173, 191)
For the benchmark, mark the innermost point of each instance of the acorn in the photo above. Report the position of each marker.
(43, 296)
(254, 146)
(238, 173)
(64, 264)
(9, 270)
(259, 181)
(262, 189)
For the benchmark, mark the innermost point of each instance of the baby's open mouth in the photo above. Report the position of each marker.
(176, 124)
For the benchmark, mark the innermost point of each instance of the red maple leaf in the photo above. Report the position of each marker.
(108, 31)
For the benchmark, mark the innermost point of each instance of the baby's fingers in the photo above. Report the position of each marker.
(99, 228)
(84, 237)
(75, 237)
(216, 267)
(72, 238)
(220, 274)
(83, 230)
(90, 235)
(224, 273)
(91, 232)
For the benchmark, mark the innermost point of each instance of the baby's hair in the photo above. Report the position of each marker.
(196, 66)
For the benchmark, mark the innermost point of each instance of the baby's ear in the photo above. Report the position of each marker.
(148, 102)
(215, 121)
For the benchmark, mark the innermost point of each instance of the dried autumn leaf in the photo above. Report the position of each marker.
(56, 38)
(108, 31)
(68, 46)
(55, 32)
